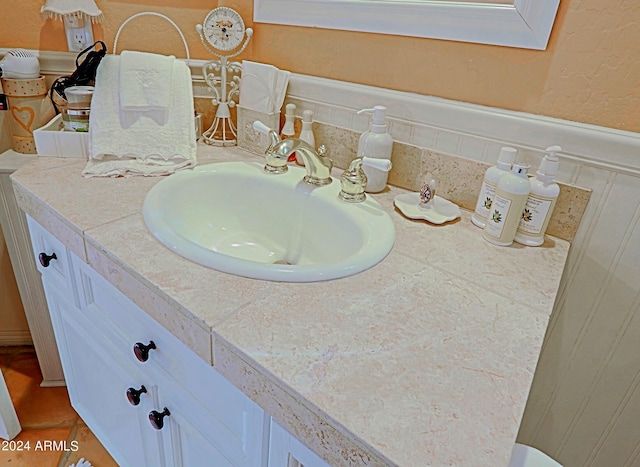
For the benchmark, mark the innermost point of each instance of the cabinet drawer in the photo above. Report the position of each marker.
(52, 259)
(132, 325)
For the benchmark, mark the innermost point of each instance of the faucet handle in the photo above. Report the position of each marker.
(353, 182)
(261, 127)
(380, 164)
(274, 137)
(322, 150)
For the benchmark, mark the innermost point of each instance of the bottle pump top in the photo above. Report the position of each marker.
(507, 157)
(290, 110)
(520, 169)
(549, 164)
(378, 121)
(307, 116)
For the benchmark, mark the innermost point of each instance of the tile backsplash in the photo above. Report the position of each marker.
(459, 178)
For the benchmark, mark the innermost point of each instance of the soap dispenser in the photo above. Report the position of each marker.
(541, 201)
(288, 129)
(306, 134)
(376, 143)
(511, 196)
(488, 190)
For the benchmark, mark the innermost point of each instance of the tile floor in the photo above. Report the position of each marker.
(45, 414)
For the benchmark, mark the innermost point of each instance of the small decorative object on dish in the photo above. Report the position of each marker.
(436, 210)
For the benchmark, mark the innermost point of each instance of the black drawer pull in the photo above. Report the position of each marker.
(157, 418)
(45, 259)
(133, 395)
(142, 351)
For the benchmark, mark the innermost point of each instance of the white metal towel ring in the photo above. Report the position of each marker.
(151, 13)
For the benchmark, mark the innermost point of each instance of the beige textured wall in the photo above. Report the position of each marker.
(589, 73)
(12, 317)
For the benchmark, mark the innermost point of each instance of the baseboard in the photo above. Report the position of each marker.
(15, 338)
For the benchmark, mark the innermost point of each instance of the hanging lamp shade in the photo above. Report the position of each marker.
(58, 9)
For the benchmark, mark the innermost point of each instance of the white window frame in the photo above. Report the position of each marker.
(521, 23)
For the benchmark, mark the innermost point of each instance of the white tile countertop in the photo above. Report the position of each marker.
(425, 359)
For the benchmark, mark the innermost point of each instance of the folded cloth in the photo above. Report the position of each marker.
(81, 463)
(257, 86)
(145, 81)
(124, 146)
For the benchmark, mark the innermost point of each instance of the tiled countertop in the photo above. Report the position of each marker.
(425, 359)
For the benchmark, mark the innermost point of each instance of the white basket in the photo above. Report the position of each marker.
(52, 140)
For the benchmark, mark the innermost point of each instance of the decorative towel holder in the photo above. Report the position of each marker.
(151, 13)
(224, 30)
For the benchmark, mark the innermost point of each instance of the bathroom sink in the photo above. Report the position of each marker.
(235, 218)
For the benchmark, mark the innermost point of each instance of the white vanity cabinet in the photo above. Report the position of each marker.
(285, 450)
(97, 382)
(126, 373)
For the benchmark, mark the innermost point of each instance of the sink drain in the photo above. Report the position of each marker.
(283, 261)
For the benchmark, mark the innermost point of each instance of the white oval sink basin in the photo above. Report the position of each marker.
(235, 218)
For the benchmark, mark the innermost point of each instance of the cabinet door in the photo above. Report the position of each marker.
(98, 384)
(187, 445)
(52, 259)
(199, 438)
(287, 451)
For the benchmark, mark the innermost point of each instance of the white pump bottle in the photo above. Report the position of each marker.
(288, 129)
(488, 190)
(306, 134)
(508, 203)
(376, 143)
(541, 201)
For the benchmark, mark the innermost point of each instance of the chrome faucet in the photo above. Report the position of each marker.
(318, 165)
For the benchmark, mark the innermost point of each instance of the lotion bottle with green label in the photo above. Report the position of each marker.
(541, 201)
(488, 190)
(509, 201)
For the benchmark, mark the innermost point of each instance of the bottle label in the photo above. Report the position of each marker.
(485, 199)
(536, 214)
(497, 216)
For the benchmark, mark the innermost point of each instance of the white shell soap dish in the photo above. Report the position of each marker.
(437, 211)
(427, 205)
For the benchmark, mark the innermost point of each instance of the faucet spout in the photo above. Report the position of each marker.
(317, 165)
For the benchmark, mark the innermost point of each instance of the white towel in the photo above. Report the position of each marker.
(145, 83)
(81, 463)
(123, 146)
(262, 87)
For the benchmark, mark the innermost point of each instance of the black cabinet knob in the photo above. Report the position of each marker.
(142, 351)
(45, 259)
(157, 418)
(133, 395)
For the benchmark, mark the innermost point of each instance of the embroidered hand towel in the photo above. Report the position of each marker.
(145, 81)
(120, 146)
